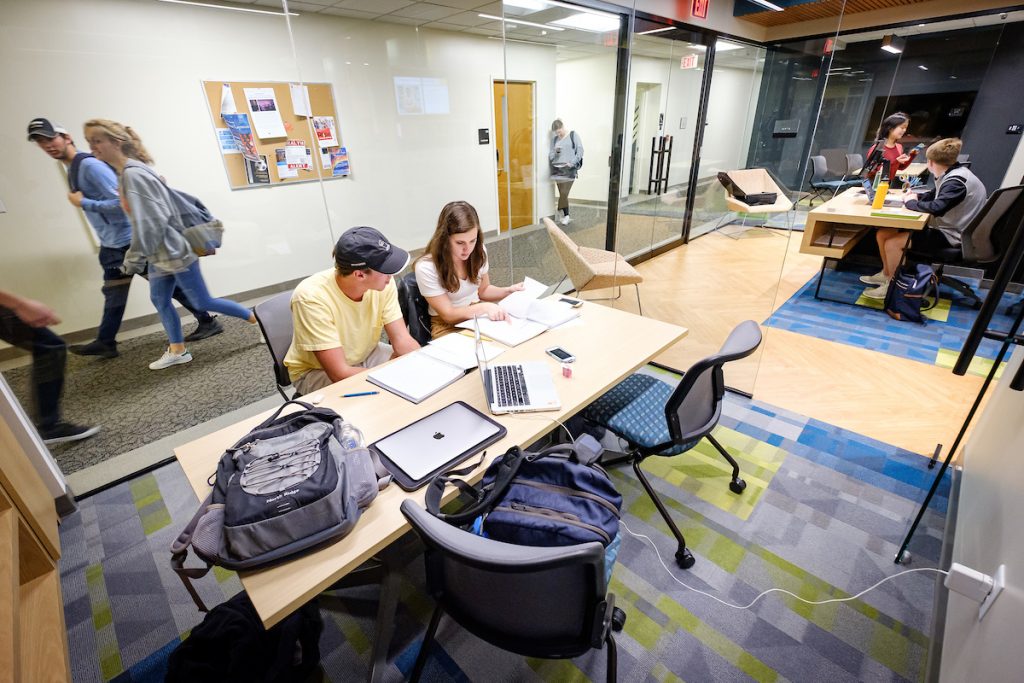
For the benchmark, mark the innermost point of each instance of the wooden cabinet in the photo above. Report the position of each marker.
(33, 639)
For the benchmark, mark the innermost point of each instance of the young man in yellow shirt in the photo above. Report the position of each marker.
(338, 314)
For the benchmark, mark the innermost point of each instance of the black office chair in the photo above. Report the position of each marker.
(414, 308)
(536, 602)
(658, 420)
(983, 245)
(274, 317)
(821, 186)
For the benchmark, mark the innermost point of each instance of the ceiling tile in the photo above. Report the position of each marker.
(304, 7)
(425, 11)
(483, 31)
(462, 4)
(320, 3)
(493, 8)
(466, 19)
(354, 13)
(374, 6)
(394, 19)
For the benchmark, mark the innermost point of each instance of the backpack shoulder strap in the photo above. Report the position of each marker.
(75, 167)
(572, 139)
(508, 466)
(179, 552)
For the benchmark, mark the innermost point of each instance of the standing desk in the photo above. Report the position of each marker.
(835, 227)
(608, 344)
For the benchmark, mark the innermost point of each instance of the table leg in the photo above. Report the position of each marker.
(385, 626)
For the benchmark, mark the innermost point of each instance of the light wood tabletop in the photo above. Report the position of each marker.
(608, 344)
(845, 219)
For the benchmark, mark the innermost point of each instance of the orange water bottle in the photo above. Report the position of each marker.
(880, 193)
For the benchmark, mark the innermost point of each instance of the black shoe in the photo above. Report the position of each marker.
(204, 330)
(66, 431)
(94, 348)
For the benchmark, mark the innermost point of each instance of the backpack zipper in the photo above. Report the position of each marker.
(545, 513)
(555, 488)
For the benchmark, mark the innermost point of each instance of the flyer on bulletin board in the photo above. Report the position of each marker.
(257, 172)
(339, 162)
(283, 171)
(323, 126)
(266, 117)
(297, 155)
(238, 124)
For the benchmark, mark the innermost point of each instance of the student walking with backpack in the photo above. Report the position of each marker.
(93, 188)
(566, 159)
(157, 243)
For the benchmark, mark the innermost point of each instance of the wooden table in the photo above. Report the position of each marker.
(608, 344)
(835, 227)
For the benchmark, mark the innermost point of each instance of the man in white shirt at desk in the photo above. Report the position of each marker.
(338, 314)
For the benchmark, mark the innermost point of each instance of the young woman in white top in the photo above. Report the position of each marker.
(452, 272)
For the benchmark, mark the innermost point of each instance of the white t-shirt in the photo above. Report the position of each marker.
(430, 284)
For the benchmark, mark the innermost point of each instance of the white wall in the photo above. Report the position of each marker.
(731, 109)
(142, 62)
(987, 535)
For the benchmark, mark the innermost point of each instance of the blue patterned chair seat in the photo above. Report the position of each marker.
(635, 410)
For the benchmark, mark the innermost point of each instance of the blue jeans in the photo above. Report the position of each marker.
(115, 295)
(162, 286)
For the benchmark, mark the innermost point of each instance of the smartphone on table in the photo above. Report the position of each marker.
(560, 354)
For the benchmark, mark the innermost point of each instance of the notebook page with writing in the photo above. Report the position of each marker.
(415, 376)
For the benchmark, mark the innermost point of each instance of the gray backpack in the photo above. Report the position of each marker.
(287, 486)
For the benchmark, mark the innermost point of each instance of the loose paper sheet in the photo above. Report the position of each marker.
(300, 99)
(266, 117)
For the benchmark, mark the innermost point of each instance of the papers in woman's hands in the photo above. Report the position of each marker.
(528, 315)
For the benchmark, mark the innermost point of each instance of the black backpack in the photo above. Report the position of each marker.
(909, 292)
(76, 165)
(287, 486)
(572, 139)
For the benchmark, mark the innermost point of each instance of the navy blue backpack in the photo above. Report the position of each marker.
(909, 290)
(558, 496)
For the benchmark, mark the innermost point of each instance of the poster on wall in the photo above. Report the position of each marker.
(421, 95)
(282, 164)
(266, 117)
(227, 101)
(339, 162)
(298, 156)
(238, 124)
(323, 126)
(227, 141)
(257, 171)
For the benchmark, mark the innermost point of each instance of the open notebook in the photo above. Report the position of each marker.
(420, 374)
(528, 315)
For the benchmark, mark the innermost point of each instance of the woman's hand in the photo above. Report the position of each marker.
(517, 287)
(76, 198)
(494, 311)
(903, 158)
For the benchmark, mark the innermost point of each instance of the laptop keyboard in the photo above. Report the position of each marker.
(509, 385)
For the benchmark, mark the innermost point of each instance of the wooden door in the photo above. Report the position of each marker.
(515, 164)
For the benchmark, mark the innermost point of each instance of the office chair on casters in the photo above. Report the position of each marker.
(414, 308)
(589, 268)
(658, 420)
(274, 317)
(984, 241)
(561, 606)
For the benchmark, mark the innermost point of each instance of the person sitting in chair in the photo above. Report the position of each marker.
(338, 314)
(957, 198)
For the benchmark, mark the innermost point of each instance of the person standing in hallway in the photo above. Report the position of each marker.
(24, 323)
(566, 158)
(157, 242)
(93, 188)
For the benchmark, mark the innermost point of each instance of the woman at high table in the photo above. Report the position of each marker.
(957, 198)
(889, 134)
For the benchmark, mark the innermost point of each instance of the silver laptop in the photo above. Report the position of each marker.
(515, 387)
(437, 440)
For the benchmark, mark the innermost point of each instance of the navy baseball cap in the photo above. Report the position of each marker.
(365, 247)
(44, 128)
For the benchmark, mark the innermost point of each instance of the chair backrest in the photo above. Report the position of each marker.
(987, 235)
(560, 596)
(275, 320)
(694, 407)
(414, 308)
(819, 168)
(854, 162)
(576, 267)
(963, 158)
(755, 181)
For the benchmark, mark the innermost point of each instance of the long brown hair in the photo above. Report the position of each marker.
(456, 218)
(128, 139)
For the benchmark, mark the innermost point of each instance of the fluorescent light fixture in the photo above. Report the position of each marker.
(513, 22)
(893, 43)
(766, 5)
(585, 21)
(535, 5)
(725, 46)
(840, 68)
(577, 8)
(656, 30)
(922, 67)
(234, 9)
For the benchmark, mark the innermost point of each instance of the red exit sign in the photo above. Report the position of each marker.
(700, 10)
(688, 62)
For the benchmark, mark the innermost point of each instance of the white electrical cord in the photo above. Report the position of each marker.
(526, 416)
(773, 590)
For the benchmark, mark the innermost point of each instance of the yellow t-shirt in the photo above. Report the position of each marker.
(324, 318)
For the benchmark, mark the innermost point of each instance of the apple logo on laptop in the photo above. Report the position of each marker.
(438, 435)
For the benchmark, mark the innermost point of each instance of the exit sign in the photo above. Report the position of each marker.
(688, 62)
(700, 10)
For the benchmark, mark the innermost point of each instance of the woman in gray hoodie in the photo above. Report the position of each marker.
(156, 236)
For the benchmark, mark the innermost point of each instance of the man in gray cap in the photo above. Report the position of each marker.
(94, 190)
(338, 314)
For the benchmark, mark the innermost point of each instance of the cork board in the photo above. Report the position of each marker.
(296, 127)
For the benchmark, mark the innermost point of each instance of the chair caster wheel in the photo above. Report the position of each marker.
(737, 485)
(618, 619)
(684, 558)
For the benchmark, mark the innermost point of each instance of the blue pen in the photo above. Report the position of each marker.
(360, 393)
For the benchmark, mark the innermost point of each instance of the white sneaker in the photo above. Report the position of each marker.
(565, 220)
(169, 359)
(877, 279)
(877, 292)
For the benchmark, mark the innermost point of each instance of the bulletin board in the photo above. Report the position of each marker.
(280, 156)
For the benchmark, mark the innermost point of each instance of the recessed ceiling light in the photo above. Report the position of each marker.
(585, 21)
(725, 46)
(535, 5)
(236, 9)
(893, 43)
(656, 30)
(922, 67)
(767, 5)
(519, 21)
